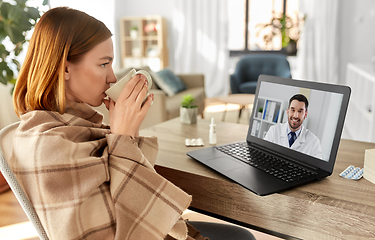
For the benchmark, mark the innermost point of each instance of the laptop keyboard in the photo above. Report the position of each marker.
(273, 165)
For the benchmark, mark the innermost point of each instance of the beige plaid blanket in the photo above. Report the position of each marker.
(86, 183)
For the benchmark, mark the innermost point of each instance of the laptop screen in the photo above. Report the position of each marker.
(301, 116)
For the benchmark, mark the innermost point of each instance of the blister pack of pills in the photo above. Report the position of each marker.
(194, 142)
(352, 172)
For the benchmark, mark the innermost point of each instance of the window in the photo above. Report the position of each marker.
(262, 25)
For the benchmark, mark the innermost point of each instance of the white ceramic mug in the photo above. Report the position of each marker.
(115, 90)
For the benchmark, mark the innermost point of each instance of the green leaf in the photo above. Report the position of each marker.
(17, 64)
(2, 47)
(14, 13)
(9, 74)
(8, 31)
(4, 9)
(18, 49)
(21, 2)
(3, 79)
(2, 32)
(3, 52)
(33, 13)
(14, 34)
(188, 101)
(13, 81)
(4, 69)
(45, 2)
(24, 23)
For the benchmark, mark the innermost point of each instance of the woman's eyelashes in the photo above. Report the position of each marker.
(104, 64)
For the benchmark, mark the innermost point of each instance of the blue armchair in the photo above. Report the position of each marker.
(245, 77)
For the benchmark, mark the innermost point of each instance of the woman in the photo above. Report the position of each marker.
(87, 180)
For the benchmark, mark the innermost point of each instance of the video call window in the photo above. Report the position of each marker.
(321, 118)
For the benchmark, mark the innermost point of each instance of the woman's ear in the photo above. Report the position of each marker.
(67, 71)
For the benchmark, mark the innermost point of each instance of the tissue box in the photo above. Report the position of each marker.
(369, 166)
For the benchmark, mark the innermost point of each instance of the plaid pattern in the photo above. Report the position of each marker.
(86, 183)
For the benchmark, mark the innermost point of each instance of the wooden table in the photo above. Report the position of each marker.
(243, 100)
(333, 208)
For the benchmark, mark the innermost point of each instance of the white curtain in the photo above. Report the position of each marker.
(200, 37)
(7, 114)
(318, 52)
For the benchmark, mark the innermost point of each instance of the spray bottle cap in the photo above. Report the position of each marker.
(212, 122)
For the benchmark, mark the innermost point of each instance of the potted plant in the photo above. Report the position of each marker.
(259, 113)
(16, 20)
(188, 109)
(133, 31)
(287, 27)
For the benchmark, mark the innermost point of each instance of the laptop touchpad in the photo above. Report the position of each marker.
(224, 163)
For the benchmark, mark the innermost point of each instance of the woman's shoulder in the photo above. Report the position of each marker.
(41, 121)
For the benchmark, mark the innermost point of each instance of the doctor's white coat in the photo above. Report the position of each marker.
(306, 142)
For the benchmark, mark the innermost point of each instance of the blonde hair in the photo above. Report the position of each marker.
(62, 34)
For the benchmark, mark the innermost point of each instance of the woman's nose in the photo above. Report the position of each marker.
(111, 76)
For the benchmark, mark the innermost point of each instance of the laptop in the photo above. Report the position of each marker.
(263, 162)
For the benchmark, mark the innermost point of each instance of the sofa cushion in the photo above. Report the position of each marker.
(173, 103)
(169, 82)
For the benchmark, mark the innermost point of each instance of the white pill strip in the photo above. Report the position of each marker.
(352, 172)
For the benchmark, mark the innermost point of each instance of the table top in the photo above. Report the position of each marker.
(241, 99)
(334, 207)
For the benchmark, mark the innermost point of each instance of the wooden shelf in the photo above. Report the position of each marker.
(143, 42)
(272, 113)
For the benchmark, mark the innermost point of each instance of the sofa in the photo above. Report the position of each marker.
(166, 107)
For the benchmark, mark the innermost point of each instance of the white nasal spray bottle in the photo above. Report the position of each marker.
(212, 132)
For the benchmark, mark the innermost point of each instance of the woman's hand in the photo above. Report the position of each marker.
(127, 114)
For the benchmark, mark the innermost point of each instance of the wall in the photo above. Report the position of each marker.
(87, 6)
(357, 34)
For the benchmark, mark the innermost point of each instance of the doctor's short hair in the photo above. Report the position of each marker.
(299, 98)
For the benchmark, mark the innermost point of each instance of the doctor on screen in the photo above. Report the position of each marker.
(293, 134)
